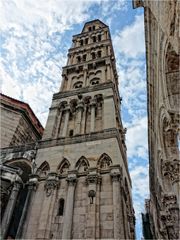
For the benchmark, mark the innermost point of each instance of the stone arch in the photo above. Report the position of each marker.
(104, 161)
(23, 164)
(63, 166)
(43, 170)
(78, 84)
(82, 164)
(95, 81)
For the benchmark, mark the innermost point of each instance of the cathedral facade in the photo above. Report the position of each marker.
(161, 221)
(79, 185)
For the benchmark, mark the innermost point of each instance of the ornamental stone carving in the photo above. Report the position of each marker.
(171, 169)
(51, 183)
(93, 179)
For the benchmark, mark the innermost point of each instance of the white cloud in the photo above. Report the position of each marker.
(130, 41)
(136, 138)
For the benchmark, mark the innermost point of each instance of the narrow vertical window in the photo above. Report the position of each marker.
(93, 55)
(99, 38)
(94, 38)
(81, 42)
(61, 207)
(84, 57)
(86, 41)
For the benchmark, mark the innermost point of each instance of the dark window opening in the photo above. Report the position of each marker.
(99, 54)
(84, 57)
(89, 28)
(94, 38)
(70, 116)
(71, 133)
(81, 42)
(78, 59)
(86, 41)
(94, 27)
(93, 55)
(99, 37)
(61, 207)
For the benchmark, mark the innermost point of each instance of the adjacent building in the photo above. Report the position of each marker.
(161, 220)
(79, 185)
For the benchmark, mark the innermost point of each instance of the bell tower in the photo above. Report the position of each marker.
(84, 187)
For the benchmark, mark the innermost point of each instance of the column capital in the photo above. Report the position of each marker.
(51, 183)
(115, 177)
(33, 181)
(71, 180)
(93, 102)
(67, 108)
(80, 105)
(93, 179)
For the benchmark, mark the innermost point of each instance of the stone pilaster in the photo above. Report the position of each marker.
(92, 227)
(69, 205)
(93, 108)
(66, 121)
(79, 112)
(9, 209)
(117, 203)
(50, 188)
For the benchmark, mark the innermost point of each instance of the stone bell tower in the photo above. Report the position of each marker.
(83, 188)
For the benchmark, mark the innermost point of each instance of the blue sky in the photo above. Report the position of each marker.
(35, 37)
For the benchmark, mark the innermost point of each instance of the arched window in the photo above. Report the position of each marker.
(86, 41)
(81, 42)
(93, 55)
(71, 133)
(94, 38)
(99, 38)
(84, 57)
(78, 84)
(94, 81)
(78, 59)
(89, 29)
(63, 167)
(104, 161)
(94, 27)
(60, 207)
(99, 54)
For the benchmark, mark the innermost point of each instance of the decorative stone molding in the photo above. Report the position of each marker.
(93, 179)
(171, 169)
(33, 181)
(169, 201)
(116, 173)
(51, 183)
(115, 177)
(72, 178)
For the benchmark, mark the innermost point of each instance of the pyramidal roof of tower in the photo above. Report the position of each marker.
(90, 23)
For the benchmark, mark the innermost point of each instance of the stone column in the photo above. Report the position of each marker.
(32, 184)
(66, 121)
(93, 107)
(104, 74)
(84, 119)
(9, 209)
(79, 112)
(108, 72)
(68, 217)
(85, 76)
(59, 120)
(117, 202)
(50, 188)
(92, 227)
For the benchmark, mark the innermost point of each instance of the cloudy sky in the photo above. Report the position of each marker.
(35, 36)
